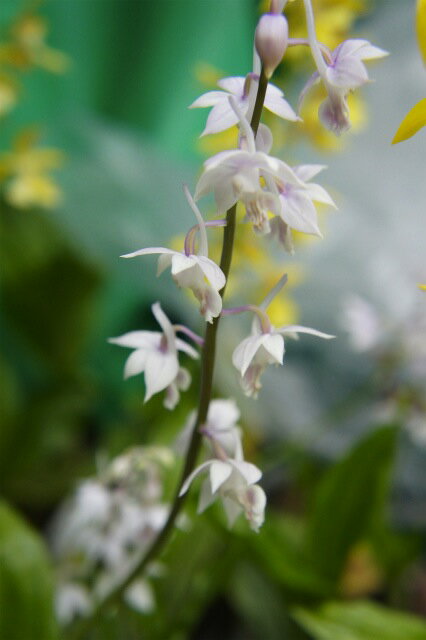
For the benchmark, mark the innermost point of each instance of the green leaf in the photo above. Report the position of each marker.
(280, 551)
(359, 621)
(26, 610)
(349, 495)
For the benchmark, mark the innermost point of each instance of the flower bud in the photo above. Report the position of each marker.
(271, 40)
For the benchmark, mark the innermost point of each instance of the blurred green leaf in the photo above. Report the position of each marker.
(26, 611)
(281, 551)
(359, 621)
(351, 493)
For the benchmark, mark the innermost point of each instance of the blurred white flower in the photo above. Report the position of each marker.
(72, 600)
(223, 116)
(234, 482)
(156, 354)
(362, 322)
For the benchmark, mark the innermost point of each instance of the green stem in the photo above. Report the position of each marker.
(206, 386)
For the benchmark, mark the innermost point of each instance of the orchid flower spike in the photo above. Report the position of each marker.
(197, 272)
(235, 175)
(265, 346)
(222, 116)
(342, 73)
(156, 354)
(234, 482)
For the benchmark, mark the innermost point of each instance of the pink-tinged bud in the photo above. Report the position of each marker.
(271, 40)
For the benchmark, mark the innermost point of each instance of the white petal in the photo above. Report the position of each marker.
(206, 496)
(211, 303)
(219, 473)
(264, 138)
(186, 348)
(193, 475)
(249, 471)
(160, 371)
(274, 345)
(209, 99)
(245, 352)
(183, 379)
(281, 108)
(233, 84)
(135, 363)
(299, 212)
(181, 262)
(138, 339)
(172, 397)
(295, 328)
(148, 251)
(220, 118)
(349, 73)
(232, 510)
(222, 414)
(319, 194)
(212, 272)
(166, 326)
(313, 80)
(164, 261)
(308, 171)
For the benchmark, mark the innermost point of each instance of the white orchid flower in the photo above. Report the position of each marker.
(234, 482)
(156, 354)
(342, 72)
(265, 345)
(298, 211)
(195, 271)
(222, 116)
(235, 175)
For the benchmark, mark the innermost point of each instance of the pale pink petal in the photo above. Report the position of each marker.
(233, 84)
(209, 99)
(295, 328)
(308, 171)
(138, 339)
(274, 345)
(299, 212)
(232, 510)
(281, 108)
(245, 352)
(206, 496)
(148, 251)
(186, 348)
(349, 73)
(220, 118)
(166, 325)
(319, 194)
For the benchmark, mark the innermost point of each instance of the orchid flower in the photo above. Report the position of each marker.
(235, 175)
(222, 116)
(265, 345)
(156, 354)
(234, 482)
(343, 72)
(195, 271)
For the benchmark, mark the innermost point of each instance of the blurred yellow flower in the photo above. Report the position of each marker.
(24, 171)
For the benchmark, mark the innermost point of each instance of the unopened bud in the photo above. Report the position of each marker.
(271, 40)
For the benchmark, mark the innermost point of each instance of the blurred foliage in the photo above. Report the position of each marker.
(26, 582)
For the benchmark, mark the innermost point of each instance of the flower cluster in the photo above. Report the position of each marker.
(277, 198)
(104, 529)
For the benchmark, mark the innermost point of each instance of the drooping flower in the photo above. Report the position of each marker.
(195, 271)
(265, 345)
(235, 175)
(342, 72)
(222, 116)
(298, 211)
(156, 354)
(234, 482)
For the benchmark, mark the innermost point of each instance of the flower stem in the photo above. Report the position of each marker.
(206, 386)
